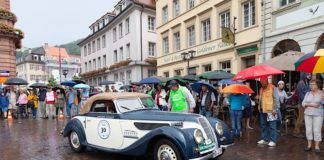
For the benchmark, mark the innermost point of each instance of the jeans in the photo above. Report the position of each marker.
(313, 125)
(236, 117)
(204, 112)
(68, 108)
(266, 126)
(34, 111)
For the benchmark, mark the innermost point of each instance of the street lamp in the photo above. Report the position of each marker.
(187, 56)
(65, 72)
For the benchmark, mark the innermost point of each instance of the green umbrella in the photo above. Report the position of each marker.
(216, 75)
(179, 79)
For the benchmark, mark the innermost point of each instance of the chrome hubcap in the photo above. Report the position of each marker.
(74, 140)
(165, 152)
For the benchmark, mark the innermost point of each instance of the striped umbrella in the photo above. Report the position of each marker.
(312, 62)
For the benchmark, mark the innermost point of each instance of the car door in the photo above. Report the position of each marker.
(102, 127)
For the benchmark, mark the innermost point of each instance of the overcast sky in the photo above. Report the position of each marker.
(57, 21)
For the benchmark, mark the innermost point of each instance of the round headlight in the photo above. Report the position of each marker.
(219, 129)
(199, 137)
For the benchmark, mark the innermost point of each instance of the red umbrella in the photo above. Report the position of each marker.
(237, 89)
(257, 71)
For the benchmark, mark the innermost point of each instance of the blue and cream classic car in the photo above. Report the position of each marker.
(131, 124)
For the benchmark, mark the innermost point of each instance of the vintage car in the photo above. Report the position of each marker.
(131, 124)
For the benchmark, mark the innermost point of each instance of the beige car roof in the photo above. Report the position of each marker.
(110, 96)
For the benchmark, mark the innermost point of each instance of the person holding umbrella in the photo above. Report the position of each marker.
(269, 109)
(180, 99)
(206, 101)
(4, 102)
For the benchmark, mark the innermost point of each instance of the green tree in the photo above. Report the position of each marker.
(52, 82)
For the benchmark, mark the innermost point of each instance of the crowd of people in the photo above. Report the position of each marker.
(268, 104)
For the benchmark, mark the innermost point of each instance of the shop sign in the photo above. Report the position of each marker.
(247, 50)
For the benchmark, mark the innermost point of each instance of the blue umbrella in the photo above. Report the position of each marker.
(68, 83)
(229, 81)
(81, 86)
(197, 87)
(151, 80)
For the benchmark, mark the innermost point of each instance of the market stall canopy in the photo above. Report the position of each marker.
(16, 81)
(285, 61)
(216, 75)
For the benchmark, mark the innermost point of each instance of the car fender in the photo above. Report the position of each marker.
(227, 137)
(75, 125)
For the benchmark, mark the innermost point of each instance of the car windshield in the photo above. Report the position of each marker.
(126, 105)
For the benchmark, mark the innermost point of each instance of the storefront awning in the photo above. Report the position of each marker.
(285, 61)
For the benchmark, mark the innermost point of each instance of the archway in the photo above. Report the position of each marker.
(284, 46)
(320, 42)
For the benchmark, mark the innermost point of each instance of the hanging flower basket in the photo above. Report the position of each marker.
(151, 61)
(120, 64)
(4, 14)
(8, 30)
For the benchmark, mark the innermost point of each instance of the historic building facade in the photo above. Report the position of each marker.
(10, 39)
(293, 25)
(194, 27)
(122, 44)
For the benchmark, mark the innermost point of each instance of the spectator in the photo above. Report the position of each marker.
(302, 89)
(22, 103)
(206, 101)
(113, 89)
(314, 114)
(4, 102)
(237, 102)
(50, 101)
(150, 91)
(160, 98)
(33, 102)
(70, 102)
(60, 102)
(283, 97)
(41, 103)
(248, 108)
(107, 89)
(180, 99)
(12, 101)
(268, 107)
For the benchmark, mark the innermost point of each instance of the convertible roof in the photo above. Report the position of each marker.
(110, 96)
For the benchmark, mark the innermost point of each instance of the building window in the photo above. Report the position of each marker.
(115, 56)
(207, 67)
(99, 80)
(121, 53)
(122, 77)
(85, 67)
(177, 72)
(127, 51)
(99, 62)
(249, 14)
(127, 26)
(225, 66)
(151, 72)
(85, 50)
(206, 36)
(104, 61)
(93, 46)
(129, 75)
(114, 35)
(37, 67)
(286, 2)
(31, 67)
(191, 4)
(90, 66)
(191, 36)
(151, 23)
(152, 49)
(192, 71)
(176, 8)
(104, 41)
(120, 28)
(89, 48)
(98, 44)
(166, 45)
(94, 64)
(166, 74)
(177, 45)
(225, 19)
(116, 77)
(165, 14)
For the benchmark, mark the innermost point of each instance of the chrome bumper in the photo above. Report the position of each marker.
(215, 153)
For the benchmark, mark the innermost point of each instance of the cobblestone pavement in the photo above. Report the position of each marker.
(40, 139)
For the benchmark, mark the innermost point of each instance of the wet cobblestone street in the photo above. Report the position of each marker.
(40, 139)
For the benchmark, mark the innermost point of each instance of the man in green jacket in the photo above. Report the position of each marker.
(180, 99)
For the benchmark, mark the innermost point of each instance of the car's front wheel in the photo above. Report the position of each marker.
(166, 150)
(74, 140)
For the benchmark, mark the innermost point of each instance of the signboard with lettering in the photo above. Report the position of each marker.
(201, 50)
(247, 50)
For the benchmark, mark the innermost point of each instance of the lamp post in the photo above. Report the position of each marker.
(65, 72)
(187, 56)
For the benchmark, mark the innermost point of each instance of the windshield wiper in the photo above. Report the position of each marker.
(125, 108)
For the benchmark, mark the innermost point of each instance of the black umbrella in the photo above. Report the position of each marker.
(79, 81)
(216, 75)
(191, 77)
(106, 82)
(16, 81)
(38, 85)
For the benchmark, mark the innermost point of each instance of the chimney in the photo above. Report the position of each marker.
(45, 46)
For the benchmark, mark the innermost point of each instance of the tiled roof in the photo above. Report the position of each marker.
(55, 52)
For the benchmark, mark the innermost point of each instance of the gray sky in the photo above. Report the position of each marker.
(57, 21)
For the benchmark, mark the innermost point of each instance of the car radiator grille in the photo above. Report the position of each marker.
(207, 128)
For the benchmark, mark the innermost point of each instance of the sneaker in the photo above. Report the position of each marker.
(272, 144)
(263, 142)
